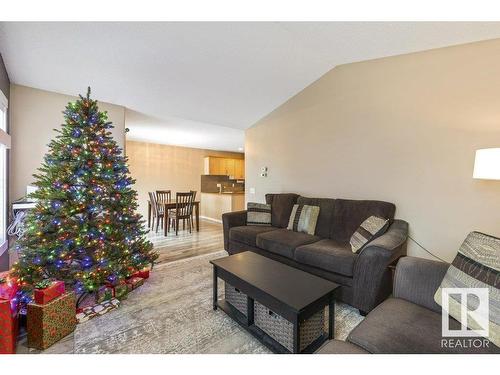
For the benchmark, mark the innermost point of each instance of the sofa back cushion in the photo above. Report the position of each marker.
(281, 208)
(349, 214)
(324, 223)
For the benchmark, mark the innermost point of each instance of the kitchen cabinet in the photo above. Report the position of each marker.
(234, 168)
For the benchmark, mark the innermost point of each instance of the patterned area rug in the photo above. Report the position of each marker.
(172, 313)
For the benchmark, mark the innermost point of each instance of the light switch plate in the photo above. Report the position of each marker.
(252, 190)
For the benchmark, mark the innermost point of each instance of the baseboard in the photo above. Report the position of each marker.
(211, 219)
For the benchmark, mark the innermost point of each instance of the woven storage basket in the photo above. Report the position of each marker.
(281, 329)
(235, 298)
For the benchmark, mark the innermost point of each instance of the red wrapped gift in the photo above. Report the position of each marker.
(144, 274)
(51, 292)
(8, 326)
(135, 282)
(8, 286)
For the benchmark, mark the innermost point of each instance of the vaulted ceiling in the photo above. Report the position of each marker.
(202, 84)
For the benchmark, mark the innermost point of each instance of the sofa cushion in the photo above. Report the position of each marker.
(284, 241)
(349, 214)
(247, 234)
(281, 208)
(369, 229)
(477, 265)
(258, 214)
(340, 347)
(324, 224)
(327, 255)
(401, 327)
(303, 218)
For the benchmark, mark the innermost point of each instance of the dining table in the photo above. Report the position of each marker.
(170, 205)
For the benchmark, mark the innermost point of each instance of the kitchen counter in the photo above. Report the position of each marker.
(213, 205)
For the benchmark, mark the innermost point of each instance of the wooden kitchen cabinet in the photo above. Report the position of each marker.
(234, 168)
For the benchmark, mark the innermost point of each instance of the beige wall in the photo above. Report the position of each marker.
(402, 129)
(33, 116)
(158, 167)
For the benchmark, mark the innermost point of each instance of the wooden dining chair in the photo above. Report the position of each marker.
(183, 211)
(157, 210)
(194, 199)
(163, 196)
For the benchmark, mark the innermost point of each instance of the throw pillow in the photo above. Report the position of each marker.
(258, 214)
(303, 218)
(369, 229)
(477, 265)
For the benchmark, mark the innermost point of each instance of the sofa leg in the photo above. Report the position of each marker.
(363, 313)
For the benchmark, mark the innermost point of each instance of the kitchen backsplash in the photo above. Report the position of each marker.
(209, 184)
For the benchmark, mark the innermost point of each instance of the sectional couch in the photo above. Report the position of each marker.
(365, 277)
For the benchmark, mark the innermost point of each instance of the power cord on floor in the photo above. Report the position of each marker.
(427, 251)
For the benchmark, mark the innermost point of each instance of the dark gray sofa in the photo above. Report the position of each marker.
(365, 278)
(410, 321)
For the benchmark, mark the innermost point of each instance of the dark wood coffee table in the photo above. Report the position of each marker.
(294, 294)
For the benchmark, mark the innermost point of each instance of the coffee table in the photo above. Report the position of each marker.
(293, 294)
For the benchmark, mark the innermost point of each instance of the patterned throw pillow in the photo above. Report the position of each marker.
(303, 218)
(258, 214)
(477, 265)
(369, 229)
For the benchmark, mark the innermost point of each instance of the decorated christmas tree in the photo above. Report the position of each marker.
(84, 230)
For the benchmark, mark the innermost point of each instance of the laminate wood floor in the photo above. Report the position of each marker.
(208, 240)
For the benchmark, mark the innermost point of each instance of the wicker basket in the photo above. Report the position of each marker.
(281, 329)
(235, 298)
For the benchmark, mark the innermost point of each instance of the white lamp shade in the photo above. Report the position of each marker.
(487, 164)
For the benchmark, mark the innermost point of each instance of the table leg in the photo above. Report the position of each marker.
(331, 318)
(215, 296)
(165, 221)
(296, 337)
(149, 214)
(197, 214)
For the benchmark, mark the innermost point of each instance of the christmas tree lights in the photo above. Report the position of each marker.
(84, 229)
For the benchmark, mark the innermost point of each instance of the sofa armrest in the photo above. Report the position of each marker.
(417, 280)
(230, 220)
(372, 278)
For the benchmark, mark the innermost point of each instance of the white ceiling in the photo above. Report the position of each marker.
(201, 84)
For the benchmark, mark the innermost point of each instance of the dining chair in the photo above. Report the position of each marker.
(163, 196)
(157, 210)
(183, 211)
(194, 199)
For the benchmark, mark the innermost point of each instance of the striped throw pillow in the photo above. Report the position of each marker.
(477, 265)
(258, 214)
(369, 229)
(303, 218)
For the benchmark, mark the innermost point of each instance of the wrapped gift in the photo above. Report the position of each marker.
(105, 293)
(8, 326)
(120, 290)
(47, 291)
(96, 310)
(8, 286)
(135, 282)
(52, 321)
(142, 274)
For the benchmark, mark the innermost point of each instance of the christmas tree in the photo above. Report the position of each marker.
(84, 229)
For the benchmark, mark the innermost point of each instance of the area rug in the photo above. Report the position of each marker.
(172, 313)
